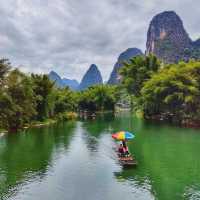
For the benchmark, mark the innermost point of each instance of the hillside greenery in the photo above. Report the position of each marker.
(31, 98)
(164, 92)
(99, 98)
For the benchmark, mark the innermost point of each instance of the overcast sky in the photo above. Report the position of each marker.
(68, 35)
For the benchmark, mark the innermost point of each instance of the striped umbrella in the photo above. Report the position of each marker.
(123, 135)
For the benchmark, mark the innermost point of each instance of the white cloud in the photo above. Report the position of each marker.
(69, 35)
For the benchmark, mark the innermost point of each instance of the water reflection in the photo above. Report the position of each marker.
(26, 155)
(76, 160)
(192, 192)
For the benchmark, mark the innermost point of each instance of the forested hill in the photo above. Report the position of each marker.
(168, 39)
(123, 57)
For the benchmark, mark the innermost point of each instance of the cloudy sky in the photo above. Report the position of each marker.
(68, 35)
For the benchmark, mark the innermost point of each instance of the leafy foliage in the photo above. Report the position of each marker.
(26, 98)
(137, 71)
(65, 99)
(98, 98)
(4, 69)
(17, 101)
(42, 88)
(173, 92)
(169, 92)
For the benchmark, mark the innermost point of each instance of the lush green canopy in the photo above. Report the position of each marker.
(25, 98)
(170, 92)
(173, 92)
(138, 70)
(99, 98)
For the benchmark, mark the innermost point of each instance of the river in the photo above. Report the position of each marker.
(76, 161)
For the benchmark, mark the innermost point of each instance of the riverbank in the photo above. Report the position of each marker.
(2, 132)
(164, 154)
(187, 123)
(47, 122)
(33, 124)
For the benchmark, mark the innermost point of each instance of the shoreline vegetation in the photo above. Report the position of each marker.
(164, 92)
(153, 90)
(46, 122)
(34, 100)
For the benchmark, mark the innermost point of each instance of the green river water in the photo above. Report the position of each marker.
(76, 161)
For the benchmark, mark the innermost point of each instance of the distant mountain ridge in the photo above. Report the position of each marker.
(91, 77)
(124, 56)
(197, 43)
(166, 38)
(72, 84)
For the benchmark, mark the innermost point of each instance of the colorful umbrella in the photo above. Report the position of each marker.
(123, 135)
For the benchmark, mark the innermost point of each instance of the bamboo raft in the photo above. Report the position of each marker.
(128, 161)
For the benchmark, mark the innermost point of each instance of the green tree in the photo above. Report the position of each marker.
(99, 98)
(65, 100)
(173, 92)
(138, 70)
(43, 89)
(5, 67)
(17, 101)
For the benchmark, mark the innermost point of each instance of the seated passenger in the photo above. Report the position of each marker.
(120, 149)
(126, 152)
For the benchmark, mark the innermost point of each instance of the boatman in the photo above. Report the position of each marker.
(121, 150)
(125, 148)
